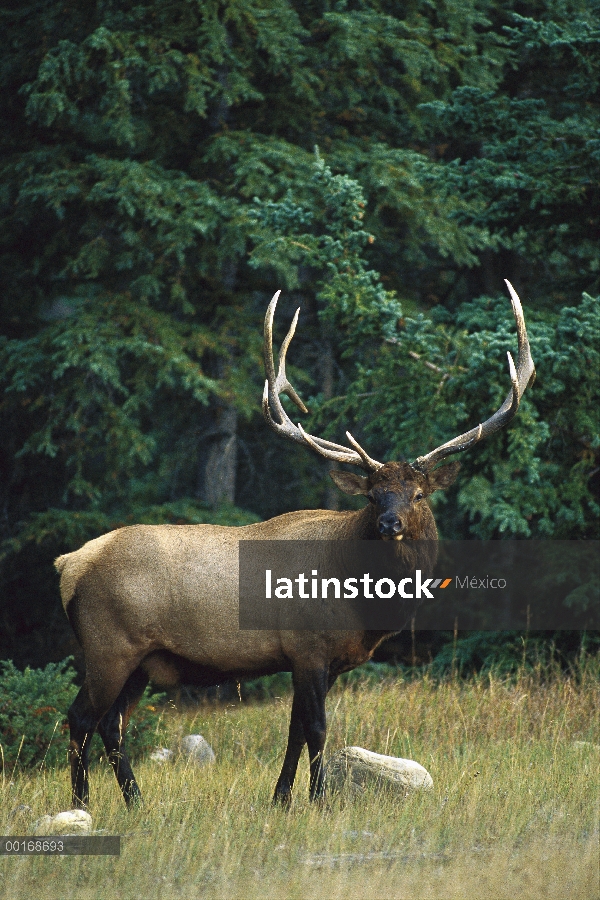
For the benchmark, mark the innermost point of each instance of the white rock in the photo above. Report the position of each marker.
(355, 767)
(162, 755)
(197, 749)
(72, 821)
(41, 826)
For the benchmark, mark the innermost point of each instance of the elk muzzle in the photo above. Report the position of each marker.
(391, 526)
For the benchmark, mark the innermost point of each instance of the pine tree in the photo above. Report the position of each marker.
(159, 184)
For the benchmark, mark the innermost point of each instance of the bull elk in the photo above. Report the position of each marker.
(160, 602)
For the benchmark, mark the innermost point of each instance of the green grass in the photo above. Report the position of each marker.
(514, 810)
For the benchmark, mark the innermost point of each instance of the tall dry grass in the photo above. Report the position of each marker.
(514, 810)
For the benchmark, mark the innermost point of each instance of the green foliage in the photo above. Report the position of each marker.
(371, 673)
(72, 529)
(33, 706)
(351, 296)
(440, 376)
(539, 484)
(159, 184)
(511, 653)
(527, 154)
(94, 382)
(267, 687)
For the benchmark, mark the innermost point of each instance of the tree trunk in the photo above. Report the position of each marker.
(220, 468)
(332, 496)
(221, 459)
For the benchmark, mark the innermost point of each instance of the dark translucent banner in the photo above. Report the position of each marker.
(61, 845)
(383, 585)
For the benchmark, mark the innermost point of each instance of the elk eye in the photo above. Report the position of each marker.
(419, 496)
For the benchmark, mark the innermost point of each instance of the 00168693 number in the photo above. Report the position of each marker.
(31, 845)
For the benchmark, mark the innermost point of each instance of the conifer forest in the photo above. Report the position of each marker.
(167, 165)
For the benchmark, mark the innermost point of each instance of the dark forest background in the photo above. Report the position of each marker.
(166, 166)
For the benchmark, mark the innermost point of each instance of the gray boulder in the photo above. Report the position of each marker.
(193, 748)
(197, 749)
(353, 768)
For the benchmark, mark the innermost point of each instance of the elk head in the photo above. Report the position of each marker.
(397, 490)
(398, 493)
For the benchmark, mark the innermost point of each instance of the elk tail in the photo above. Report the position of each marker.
(60, 562)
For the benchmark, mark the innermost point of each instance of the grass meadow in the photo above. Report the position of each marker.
(513, 812)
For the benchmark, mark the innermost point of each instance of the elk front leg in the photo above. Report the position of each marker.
(311, 689)
(296, 742)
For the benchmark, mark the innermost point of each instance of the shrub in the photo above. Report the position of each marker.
(33, 716)
(33, 707)
(509, 653)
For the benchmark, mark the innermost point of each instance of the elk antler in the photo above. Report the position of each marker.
(282, 424)
(521, 378)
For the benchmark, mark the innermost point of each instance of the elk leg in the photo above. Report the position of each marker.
(82, 723)
(295, 745)
(312, 689)
(112, 731)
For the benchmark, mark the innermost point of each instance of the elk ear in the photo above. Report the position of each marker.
(349, 483)
(442, 478)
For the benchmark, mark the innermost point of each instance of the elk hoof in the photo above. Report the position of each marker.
(283, 799)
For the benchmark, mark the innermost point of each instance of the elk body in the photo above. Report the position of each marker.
(161, 602)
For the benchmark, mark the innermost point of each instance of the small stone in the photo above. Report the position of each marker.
(355, 767)
(42, 826)
(72, 821)
(162, 755)
(197, 749)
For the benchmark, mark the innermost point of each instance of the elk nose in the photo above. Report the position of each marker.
(389, 524)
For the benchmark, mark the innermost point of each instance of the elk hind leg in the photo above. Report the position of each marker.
(83, 720)
(112, 731)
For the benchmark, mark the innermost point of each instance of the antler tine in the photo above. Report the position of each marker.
(280, 384)
(525, 364)
(340, 454)
(521, 377)
(371, 463)
(281, 422)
